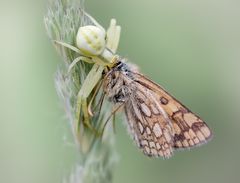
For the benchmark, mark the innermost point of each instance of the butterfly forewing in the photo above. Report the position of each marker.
(189, 129)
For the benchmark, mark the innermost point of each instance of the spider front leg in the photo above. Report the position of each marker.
(113, 36)
(82, 57)
(91, 81)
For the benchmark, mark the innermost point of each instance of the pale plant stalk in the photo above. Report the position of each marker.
(97, 156)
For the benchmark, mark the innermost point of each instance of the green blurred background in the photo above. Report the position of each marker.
(192, 48)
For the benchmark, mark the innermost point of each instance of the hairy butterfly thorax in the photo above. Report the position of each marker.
(118, 82)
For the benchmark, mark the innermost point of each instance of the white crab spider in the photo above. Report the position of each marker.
(91, 42)
(95, 46)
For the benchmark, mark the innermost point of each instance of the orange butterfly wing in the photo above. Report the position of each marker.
(189, 129)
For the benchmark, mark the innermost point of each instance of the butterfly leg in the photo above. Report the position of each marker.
(114, 122)
(116, 108)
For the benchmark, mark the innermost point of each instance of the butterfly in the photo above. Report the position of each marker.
(158, 123)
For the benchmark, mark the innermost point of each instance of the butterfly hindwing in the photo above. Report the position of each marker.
(151, 130)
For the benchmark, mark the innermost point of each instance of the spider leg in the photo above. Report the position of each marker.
(78, 59)
(73, 48)
(88, 85)
(93, 97)
(113, 36)
(94, 21)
